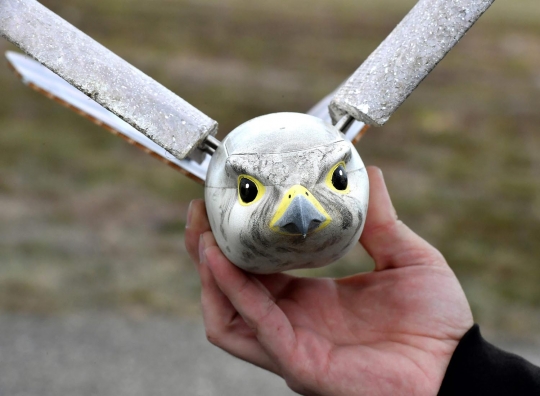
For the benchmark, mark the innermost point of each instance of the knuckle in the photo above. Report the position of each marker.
(295, 387)
(214, 337)
(300, 387)
(266, 309)
(244, 286)
(299, 379)
(256, 322)
(429, 255)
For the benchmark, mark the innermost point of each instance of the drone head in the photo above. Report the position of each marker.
(286, 191)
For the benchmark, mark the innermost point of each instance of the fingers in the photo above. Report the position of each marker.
(197, 224)
(390, 242)
(224, 327)
(255, 304)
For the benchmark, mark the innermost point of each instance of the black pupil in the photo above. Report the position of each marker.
(339, 178)
(248, 190)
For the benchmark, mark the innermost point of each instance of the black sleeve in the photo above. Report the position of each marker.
(479, 368)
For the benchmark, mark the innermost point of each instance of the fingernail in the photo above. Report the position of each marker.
(188, 222)
(202, 248)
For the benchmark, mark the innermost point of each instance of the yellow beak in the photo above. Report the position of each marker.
(299, 213)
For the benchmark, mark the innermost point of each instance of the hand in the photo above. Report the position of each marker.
(388, 332)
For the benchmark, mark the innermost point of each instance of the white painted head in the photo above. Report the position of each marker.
(286, 191)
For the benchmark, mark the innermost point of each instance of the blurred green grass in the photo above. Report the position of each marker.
(89, 222)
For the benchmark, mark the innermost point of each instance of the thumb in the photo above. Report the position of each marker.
(387, 240)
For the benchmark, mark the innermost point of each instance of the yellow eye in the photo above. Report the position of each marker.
(250, 190)
(337, 179)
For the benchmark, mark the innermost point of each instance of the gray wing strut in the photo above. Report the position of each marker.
(137, 99)
(393, 71)
(353, 132)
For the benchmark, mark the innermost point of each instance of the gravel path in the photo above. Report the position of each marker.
(97, 354)
(94, 355)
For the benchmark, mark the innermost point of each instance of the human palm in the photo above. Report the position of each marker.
(388, 332)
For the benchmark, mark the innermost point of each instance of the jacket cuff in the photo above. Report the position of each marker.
(479, 368)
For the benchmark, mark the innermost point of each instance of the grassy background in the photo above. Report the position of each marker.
(88, 222)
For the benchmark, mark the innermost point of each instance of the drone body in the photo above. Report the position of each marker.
(286, 191)
(283, 191)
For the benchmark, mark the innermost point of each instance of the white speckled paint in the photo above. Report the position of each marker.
(394, 70)
(142, 102)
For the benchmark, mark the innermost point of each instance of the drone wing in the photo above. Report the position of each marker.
(150, 108)
(394, 70)
(49, 84)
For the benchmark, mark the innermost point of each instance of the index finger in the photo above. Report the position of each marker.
(255, 304)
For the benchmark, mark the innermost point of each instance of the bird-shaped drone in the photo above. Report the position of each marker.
(284, 190)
